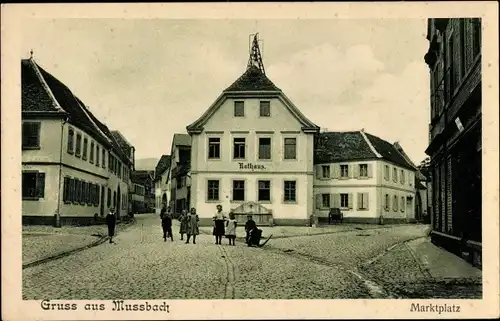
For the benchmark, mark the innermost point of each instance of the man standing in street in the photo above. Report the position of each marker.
(111, 222)
(166, 223)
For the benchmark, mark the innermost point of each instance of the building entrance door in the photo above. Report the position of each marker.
(409, 209)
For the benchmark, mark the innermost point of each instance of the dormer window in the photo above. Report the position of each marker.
(239, 109)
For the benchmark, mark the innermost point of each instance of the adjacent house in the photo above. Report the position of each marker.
(179, 176)
(367, 177)
(143, 179)
(454, 60)
(162, 187)
(252, 152)
(73, 169)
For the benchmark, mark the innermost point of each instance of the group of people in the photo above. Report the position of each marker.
(189, 224)
(223, 226)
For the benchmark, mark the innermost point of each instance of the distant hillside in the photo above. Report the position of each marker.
(146, 163)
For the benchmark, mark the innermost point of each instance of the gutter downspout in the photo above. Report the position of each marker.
(58, 212)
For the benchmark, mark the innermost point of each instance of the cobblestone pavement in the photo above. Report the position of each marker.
(141, 266)
(37, 246)
(41, 241)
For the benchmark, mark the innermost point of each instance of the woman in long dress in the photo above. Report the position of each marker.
(219, 220)
(183, 219)
(192, 225)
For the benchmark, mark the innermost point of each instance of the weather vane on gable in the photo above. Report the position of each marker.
(255, 58)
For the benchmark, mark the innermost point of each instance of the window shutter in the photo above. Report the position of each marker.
(360, 201)
(319, 201)
(336, 200)
(350, 170)
(332, 200)
(336, 171)
(319, 171)
(349, 200)
(355, 170)
(396, 203)
(370, 170)
(65, 189)
(366, 200)
(40, 185)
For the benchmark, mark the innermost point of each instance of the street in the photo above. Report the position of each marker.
(342, 265)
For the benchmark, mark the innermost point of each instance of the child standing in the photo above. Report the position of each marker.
(231, 229)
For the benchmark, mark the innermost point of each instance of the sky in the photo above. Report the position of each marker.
(151, 78)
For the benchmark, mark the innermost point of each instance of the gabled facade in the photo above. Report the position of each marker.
(162, 189)
(179, 176)
(369, 179)
(73, 170)
(253, 145)
(454, 60)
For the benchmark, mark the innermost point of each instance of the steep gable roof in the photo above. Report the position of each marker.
(38, 83)
(351, 146)
(253, 79)
(253, 83)
(35, 97)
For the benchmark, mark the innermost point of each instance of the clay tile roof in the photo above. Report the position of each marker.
(34, 97)
(341, 146)
(253, 79)
(388, 151)
(332, 147)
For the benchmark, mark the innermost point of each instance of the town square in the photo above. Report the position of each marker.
(244, 162)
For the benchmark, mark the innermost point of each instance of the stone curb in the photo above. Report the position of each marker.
(99, 241)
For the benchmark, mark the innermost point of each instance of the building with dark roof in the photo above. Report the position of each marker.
(454, 60)
(73, 168)
(143, 194)
(179, 176)
(252, 152)
(369, 179)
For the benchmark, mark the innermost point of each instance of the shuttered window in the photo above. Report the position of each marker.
(97, 155)
(78, 147)
(71, 140)
(91, 156)
(31, 135)
(363, 202)
(386, 203)
(395, 203)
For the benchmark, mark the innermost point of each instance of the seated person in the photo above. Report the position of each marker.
(249, 225)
